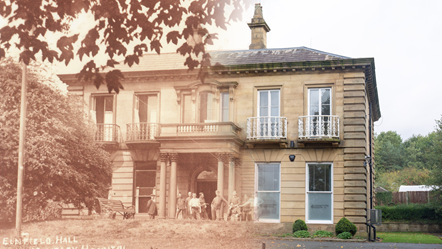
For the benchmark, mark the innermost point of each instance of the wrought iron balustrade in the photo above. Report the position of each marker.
(142, 131)
(318, 127)
(107, 133)
(267, 128)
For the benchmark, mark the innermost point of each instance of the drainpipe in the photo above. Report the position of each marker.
(370, 165)
(370, 161)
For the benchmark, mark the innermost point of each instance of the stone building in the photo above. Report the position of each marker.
(291, 127)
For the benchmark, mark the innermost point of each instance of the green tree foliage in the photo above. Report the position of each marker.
(62, 161)
(406, 176)
(388, 152)
(117, 23)
(435, 156)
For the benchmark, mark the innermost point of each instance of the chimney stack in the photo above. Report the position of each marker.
(259, 29)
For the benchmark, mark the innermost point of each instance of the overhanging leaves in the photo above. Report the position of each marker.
(117, 23)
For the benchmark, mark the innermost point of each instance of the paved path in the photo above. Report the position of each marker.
(272, 244)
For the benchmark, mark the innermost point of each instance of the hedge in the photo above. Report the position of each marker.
(411, 212)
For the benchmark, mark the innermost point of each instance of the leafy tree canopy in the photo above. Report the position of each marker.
(388, 151)
(62, 161)
(118, 23)
(416, 161)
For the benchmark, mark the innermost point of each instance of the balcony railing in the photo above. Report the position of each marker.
(142, 131)
(267, 128)
(107, 133)
(318, 127)
(200, 130)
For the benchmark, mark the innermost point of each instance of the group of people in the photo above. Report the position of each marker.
(196, 208)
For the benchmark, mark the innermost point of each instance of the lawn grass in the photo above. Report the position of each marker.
(133, 234)
(408, 237)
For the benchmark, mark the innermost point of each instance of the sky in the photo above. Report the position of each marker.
(404, 37)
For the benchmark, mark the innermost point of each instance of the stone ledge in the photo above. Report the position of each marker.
(315, 239)
(408, 227)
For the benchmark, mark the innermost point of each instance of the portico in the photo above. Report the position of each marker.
(179, 172)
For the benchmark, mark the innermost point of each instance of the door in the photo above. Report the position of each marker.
(145, 173)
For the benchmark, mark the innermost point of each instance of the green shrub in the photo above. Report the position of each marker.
(301, 234)
(411, 212)
(384, 198)
(299, 225)
(344, 235)
(345, 225)
(322, 234)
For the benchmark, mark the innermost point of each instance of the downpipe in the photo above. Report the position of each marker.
(369, 232)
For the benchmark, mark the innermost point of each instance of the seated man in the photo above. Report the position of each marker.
(234, 208)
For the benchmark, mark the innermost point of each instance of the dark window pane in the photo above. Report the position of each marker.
(149, 165)
(145, 178)
(319, 177)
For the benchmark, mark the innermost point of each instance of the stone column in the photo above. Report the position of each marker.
(162, 208)
(220, 178)
(172, 187)
(231, 174)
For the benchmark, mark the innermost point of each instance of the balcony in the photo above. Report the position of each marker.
(142, 132)
(108, 134)
(267, 130)
(318, 129)
(142, 135)
(198, 135)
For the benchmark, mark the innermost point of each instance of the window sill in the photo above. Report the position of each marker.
(320, 222)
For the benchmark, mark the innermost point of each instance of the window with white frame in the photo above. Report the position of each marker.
(206, 107)
(268, 189)
(319, 109)
(268, 113)
(224, 106)
(102, 113)
(319, 204)
(268, 103)
(146, 108)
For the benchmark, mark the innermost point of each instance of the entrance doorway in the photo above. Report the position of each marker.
(206, 182)
(208, 187)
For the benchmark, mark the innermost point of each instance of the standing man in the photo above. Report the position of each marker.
(187, 212)
(195, 207)
(203, 206)
(180, 206)
(216, 205)
(246, 208)
(152, 208)
(234, 202)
